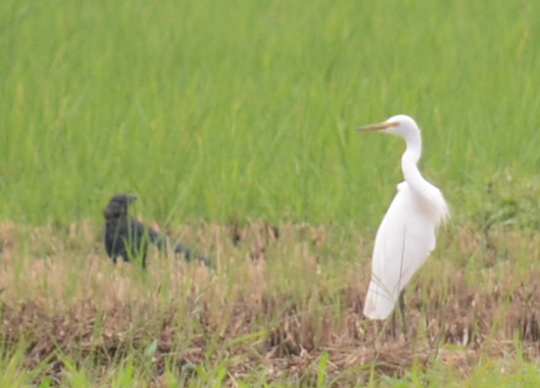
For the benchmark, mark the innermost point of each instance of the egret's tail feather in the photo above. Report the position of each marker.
(379, 303)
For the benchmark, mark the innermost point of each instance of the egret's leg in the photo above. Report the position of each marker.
(394, 324)
(402, 310)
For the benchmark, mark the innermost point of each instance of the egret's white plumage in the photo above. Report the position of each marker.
(406, 235)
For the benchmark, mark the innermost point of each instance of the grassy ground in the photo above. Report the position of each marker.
(283, 308)
(221, 113)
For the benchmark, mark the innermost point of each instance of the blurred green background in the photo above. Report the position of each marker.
(234, 110)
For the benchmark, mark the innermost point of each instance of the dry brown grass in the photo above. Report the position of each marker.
(280, 298)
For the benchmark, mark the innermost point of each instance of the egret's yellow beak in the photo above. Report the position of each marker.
(377, 127)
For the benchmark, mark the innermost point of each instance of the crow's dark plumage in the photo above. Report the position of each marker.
(128, 238)
(124, 236)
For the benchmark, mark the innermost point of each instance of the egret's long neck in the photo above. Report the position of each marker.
(410, 159)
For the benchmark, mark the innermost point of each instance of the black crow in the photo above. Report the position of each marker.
(128, 238)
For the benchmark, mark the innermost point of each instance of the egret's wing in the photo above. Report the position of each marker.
(405, 238)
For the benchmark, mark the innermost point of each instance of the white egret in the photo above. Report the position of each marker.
(406, 235)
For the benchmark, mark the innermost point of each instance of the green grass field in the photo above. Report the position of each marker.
(220, 113)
